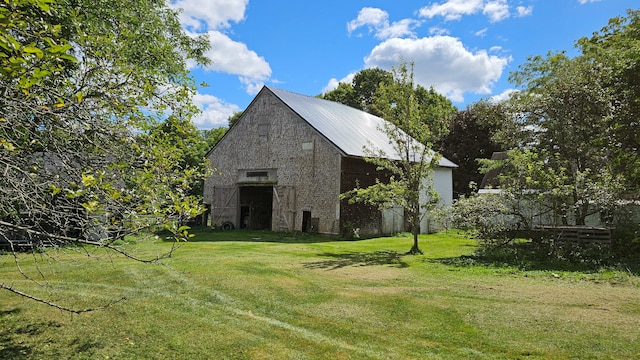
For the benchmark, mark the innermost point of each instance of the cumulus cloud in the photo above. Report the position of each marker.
(522, 11)
(215, 112)
(227, 56)
(377, 22)
(201, 16)
(333, 82)
(232, 57)
(452, 9)
(503, 96)
(495, 10)
(442, 62)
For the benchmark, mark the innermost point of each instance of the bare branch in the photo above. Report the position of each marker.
(57, 306)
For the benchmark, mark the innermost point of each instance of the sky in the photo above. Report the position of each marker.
(464, 49)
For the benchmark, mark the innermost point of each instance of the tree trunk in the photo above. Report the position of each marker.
(415, 230)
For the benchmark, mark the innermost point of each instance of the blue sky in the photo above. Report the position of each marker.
(465, 49)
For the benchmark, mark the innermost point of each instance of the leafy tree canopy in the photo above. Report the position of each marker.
(470, 138)
(362, 91)
(83, 87)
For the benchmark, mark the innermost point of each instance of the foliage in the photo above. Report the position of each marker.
(233, 119)
(615, 52)
(560, 127)
(361, 93)
(416, 119)
(83, 86)
(493, 219)
(573, 134)
(469, 139)
(184, 146)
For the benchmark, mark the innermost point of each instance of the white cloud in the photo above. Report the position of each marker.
(524, 11)
(452, 9)
(481, 32)
(235, 58)
(215, 112)
(438, 31)
(582, 2)
(495, 10)
(333, 83)
(502, 96)
(442, 62)
(201, 16)
(227, 56)
(377, 21)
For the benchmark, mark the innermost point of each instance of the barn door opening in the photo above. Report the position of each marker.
(256, 203)
(306, 221)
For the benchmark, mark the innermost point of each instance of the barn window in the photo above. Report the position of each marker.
(263, 129)
(251, 174)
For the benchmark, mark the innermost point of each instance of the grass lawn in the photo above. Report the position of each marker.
(261, 295)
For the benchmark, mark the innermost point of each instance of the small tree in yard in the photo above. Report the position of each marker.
(416, 120)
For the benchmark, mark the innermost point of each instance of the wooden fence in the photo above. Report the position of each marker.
(578, 234)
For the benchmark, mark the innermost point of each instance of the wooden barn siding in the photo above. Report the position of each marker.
(368, 219)
(270, 136)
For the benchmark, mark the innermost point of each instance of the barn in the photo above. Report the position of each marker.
(284, 163)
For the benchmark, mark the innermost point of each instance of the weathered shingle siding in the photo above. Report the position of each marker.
(271, 136)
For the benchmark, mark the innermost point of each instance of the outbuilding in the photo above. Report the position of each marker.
(283, 165)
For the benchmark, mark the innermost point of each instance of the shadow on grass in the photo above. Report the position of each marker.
(12, 345)
(530, 257)
(206, 234)
(358, 259)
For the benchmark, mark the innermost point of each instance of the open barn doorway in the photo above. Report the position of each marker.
(256, 207)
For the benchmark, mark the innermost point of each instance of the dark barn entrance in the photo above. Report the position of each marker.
(256, 207)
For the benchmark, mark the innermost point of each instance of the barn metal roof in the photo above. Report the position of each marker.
(349, 129)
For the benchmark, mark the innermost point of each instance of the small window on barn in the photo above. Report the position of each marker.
(263, 129)
(307, 145)
(254, 174)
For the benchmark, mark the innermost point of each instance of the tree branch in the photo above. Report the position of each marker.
(64, 308)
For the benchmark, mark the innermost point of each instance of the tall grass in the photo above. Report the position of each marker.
(263, 295)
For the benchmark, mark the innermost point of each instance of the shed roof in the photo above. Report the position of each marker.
(349, 129)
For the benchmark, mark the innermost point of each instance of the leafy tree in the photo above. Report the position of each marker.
(470, 138)
(234, 118)
(416, 118)
(185, 147)
(212, 136)
(81, 82)
(362, 91)
(561, 123)
(615, 52)
(344, 94)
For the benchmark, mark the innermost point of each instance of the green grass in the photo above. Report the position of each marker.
(263, 295)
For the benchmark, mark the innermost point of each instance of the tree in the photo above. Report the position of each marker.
(615, 52)
(560, 122)
(361, 93)
(416, 117)
(212, 136)
(81, 83)
(184, 146)
(344, 94)
(233, 119)
(470, 138)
